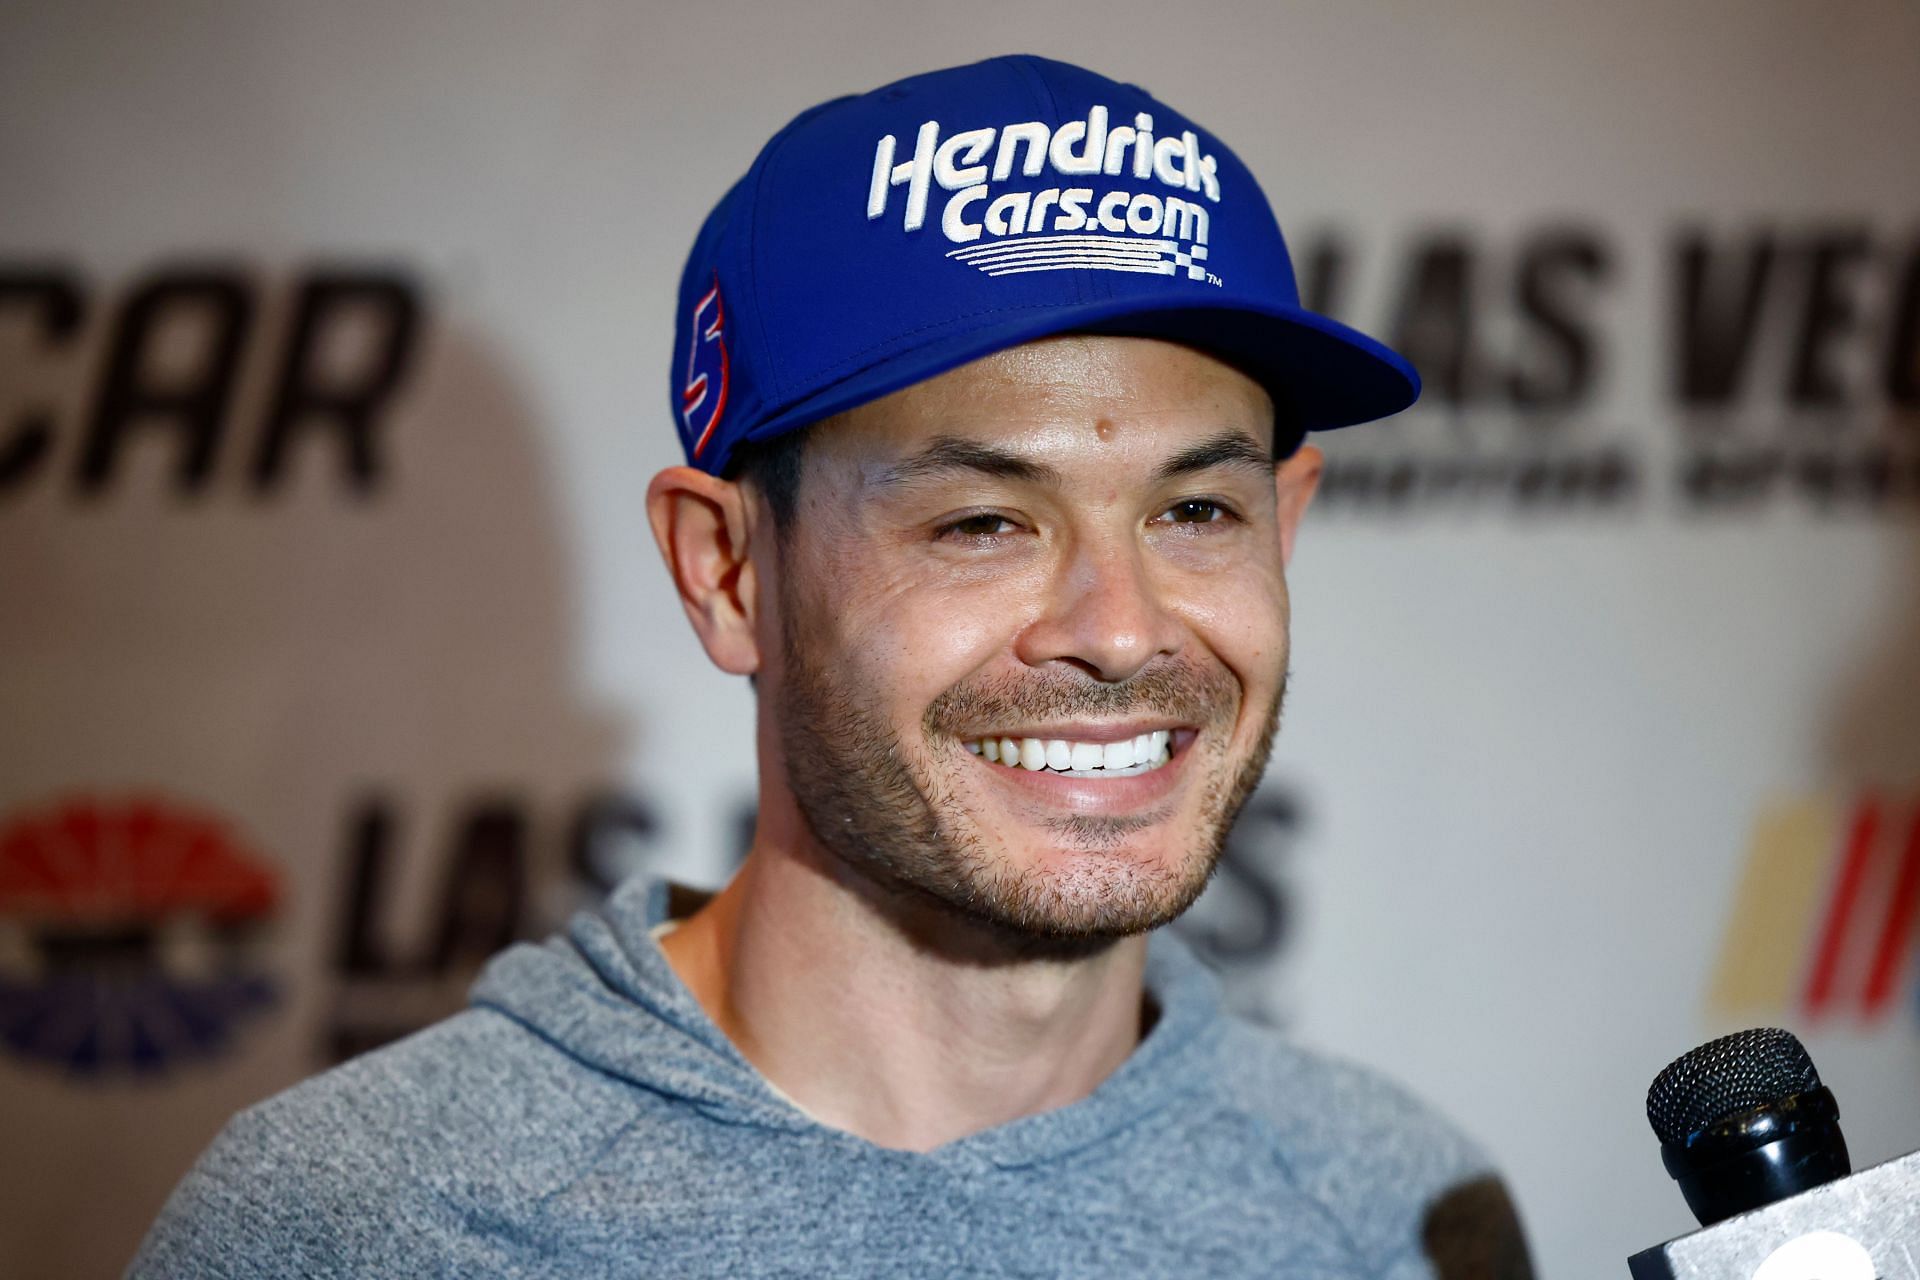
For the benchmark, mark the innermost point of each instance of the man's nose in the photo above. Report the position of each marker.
(1104, 613)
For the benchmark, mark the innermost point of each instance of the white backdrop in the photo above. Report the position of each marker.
(1544, 725)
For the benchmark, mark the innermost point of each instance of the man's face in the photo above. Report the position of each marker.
(1031, 632)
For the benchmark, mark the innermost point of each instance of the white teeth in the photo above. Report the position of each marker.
(1138, 754)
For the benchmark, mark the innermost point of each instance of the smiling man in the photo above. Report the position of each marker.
(994, 387)
(1019, 632)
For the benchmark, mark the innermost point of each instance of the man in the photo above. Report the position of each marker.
(993, 384)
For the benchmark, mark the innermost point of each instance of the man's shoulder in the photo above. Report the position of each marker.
(444, 1100)
(1327, 1110)
(1401, 1179)
(337, 1174)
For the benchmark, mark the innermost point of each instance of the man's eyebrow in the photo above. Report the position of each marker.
(1228, 449)
(952, 453)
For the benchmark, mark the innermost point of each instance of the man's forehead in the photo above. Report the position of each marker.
(1052, 403)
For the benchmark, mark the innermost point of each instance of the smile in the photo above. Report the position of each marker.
(1126, 758)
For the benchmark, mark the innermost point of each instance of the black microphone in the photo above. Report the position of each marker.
(1744, 1121)
(1753, 1138)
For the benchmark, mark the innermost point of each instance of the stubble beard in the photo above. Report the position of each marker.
(904, 832)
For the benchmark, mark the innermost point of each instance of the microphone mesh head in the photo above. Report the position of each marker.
(1725, 1077)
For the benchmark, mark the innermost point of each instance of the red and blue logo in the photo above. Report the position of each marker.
(704, 397)
(130, 932)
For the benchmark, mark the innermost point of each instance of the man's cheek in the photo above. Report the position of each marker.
(939, 632)
(1246, 628)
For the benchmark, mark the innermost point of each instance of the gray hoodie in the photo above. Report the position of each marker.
(585, 1118)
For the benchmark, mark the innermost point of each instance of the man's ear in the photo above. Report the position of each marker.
(1295, 481)
(704, 525)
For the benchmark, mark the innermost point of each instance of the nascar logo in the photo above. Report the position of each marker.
(1839, 877)
(1105, 228)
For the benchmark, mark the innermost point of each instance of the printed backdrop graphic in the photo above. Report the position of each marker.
(335, 355)
(1844, 881)
(109, 897)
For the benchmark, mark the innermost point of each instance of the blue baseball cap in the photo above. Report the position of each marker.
(881, 239)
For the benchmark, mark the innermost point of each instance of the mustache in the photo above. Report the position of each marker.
(1187, 691)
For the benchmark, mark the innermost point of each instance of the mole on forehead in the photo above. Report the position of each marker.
(1104, 429)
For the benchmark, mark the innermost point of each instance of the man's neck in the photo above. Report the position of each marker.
(869, 1029)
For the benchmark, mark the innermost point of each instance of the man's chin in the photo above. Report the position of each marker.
(1091, 895)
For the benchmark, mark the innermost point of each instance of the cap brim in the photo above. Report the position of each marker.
(1321, 373)
(1328, 374)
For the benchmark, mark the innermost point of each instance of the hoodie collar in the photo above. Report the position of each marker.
(603, 992)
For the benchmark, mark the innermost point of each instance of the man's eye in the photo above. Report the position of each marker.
(984, 525)
(1197, 511)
